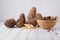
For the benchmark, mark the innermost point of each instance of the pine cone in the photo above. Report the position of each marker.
(32, 13)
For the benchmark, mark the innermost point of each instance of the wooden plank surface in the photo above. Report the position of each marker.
(27, 34)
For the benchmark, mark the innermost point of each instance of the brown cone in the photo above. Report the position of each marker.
(32, 13)
(20, 22)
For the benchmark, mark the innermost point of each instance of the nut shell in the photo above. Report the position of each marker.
(10, 23)
(48, 18)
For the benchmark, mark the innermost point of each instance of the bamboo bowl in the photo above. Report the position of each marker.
(47, 24)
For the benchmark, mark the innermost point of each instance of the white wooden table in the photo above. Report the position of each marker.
(26, 34)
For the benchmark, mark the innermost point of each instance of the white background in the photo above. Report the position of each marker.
(13, 8)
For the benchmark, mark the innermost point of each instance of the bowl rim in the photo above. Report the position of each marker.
(50, 19)
(44, 20)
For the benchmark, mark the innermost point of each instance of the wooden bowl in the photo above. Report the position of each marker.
(47, 24)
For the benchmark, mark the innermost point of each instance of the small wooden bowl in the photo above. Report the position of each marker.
(47, 24)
